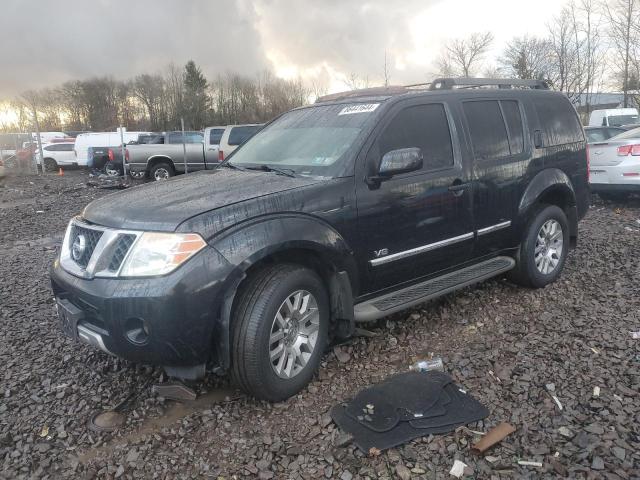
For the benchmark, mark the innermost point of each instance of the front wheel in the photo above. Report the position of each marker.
(544, 249)
(50, 165)
(279, 331)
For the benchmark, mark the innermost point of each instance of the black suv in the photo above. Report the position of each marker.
(344, 211)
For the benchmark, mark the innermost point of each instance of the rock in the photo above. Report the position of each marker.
(595, 429)
(565, 432)
(265, 475)
(619, 452)
(263, 464)
(597, 463)
(403, 472)
(346, 475)
(343, 439)
(341, 355)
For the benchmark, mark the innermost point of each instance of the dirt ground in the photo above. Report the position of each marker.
(502, 343)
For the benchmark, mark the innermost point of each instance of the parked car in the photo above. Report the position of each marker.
(214, 135)
(335, 213)
(600, 134)
(2, 170)
(613, 117)
(84, 156)
(234, 136)
(57, 155)
(615, 166)
(164, 159)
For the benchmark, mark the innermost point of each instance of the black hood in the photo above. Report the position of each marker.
(162, 206)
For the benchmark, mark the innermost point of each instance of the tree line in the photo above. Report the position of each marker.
(158, 102)
(590, 46)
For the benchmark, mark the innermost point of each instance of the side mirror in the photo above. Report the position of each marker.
(395, 162)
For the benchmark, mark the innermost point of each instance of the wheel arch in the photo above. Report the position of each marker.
(551, 186)
(317, 247)
(152, 161)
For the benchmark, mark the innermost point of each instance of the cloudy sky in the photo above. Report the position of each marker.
(45, 42)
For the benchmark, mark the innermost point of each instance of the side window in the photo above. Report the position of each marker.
(193, 137)
(422, 126)
(487, 128)
(558, 121)
(66, 147)
(215, 135)
(50, 148)
(239, 135)
(513, 118)
(175, 137)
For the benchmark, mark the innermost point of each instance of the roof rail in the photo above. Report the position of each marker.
(465, 82)
(363, 92)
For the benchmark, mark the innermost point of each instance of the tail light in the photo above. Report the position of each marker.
(220, 155)
(625, 150)
(110, 155)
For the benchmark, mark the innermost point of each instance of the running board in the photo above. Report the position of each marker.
(408, 297)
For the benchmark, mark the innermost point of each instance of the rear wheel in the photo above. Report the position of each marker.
(50, 165)
(112, 170)
(161, 171)
(279, 331)
(544, 249)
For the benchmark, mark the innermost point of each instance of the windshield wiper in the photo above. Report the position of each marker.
(231, 165)
(267, 168)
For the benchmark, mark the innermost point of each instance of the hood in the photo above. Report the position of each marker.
(162, 206)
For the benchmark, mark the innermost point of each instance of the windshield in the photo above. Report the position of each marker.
(310, 141)
(617, 120)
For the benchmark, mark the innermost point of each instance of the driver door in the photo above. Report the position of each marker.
(417, 223)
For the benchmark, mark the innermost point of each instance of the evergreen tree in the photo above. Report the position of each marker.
(196, 101)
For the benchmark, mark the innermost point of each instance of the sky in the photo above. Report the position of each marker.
(46, 42)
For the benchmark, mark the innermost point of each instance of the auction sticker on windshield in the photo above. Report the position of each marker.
(359, 108)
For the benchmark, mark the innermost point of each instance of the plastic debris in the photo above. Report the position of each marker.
(635, 335)
(428, 365)
(555, 399)
(595, 350)
(526, 463)
(495, 435)
(596, 391)
(458, 469)
(45, 431)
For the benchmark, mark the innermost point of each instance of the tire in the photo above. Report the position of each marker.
(614, 196)
(161, 171)
(254, 323)
(538, 274)
(138, 175)
(112, 171)
(50, 165)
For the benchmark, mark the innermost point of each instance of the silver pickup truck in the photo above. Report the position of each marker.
(163, 157)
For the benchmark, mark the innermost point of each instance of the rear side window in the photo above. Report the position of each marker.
(558, 121)
(66, 147)
(596, 135)
(425, 127)
(215, 135)
(487, 128)
(239, 135)
(513, 119)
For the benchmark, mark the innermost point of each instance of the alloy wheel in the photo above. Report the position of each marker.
(161, 174)
(549, 245)
(294, 334)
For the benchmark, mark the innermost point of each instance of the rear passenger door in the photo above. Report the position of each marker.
(499, 149)
(417, 223)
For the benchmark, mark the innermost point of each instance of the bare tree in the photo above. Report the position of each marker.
(526, 58)
(149, 90)
(624, 26)
(463, 56)
(353, 81)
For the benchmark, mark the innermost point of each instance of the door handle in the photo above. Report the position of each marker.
(457, 187)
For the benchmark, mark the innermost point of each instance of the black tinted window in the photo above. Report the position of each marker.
(239, 135)
(215, 135)
(424, 127)
(487, 129)
(513, 117)
(66, 147)
(558, 121)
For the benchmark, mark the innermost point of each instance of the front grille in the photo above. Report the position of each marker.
(123, 244)
(91, 238)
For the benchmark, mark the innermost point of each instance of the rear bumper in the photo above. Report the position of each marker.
(624, 177)
(179, 311)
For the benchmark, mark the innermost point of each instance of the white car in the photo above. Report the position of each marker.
(57, 155)
(613, 117)
(614, 170)
(234, 136)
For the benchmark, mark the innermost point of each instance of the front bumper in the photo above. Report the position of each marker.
(179, 311)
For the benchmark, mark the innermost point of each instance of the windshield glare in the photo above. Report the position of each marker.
(310, 141)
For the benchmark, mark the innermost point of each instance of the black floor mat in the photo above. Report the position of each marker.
(404, 407)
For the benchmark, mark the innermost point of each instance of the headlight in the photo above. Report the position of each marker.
(160, 253)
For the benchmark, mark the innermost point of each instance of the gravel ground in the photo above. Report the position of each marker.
(504, 344)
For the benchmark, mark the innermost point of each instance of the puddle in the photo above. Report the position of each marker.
(174, 412)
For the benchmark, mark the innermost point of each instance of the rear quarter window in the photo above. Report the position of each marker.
(239, 135)
(558, 121)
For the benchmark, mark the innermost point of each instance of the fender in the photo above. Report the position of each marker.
(256, 240)
(550, 181)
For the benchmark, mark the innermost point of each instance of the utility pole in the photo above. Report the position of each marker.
(122, 150)
(184, 147)
(35, 118)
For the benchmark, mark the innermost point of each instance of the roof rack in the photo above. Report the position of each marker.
(466, 82)
(364, 92)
